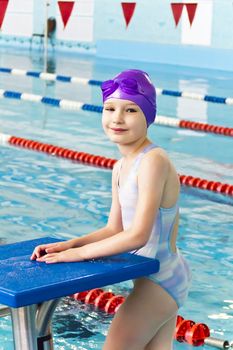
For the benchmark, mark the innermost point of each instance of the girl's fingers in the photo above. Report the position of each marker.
(52, 257)
(51, 245)
(53, 248)
(42, 249)
(51, 260)
(33, 256)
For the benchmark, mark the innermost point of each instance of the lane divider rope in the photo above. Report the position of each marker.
(195, 126)
(76, 106)
(93, 82)
(195, 334)
(108, 163)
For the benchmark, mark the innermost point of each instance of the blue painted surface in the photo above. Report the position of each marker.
(25, 282)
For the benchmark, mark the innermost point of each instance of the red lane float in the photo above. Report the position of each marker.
(113, 304)
(103, 300)
(214, 186)
(191, 332)
(92, 295)
(195, 334)
(96, 160)
(181, 329)
(81, 157)
(215, 129)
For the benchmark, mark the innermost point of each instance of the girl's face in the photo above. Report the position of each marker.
(123, 121)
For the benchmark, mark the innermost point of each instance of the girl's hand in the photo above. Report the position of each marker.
(69, 255)
(44, 249)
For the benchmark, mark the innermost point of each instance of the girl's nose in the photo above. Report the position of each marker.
(117, 117)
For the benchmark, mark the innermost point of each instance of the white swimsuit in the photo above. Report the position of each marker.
(174, 274)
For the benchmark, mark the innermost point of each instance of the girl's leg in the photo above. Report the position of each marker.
(163, 339)
(140, 317)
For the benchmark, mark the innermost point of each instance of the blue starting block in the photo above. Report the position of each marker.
(32, 289)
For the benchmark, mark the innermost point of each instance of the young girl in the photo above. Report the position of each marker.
(143, 219)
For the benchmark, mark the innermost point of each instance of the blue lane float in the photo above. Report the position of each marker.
(93, 82)
(62, 103)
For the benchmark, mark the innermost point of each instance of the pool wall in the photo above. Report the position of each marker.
(190, 33)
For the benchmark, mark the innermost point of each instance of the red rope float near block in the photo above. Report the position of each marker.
(195, 334)
(106, 301)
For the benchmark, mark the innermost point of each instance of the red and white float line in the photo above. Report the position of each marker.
(193, 333)
(192, 125)
(96, 160)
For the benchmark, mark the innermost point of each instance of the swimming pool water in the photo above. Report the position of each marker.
(45, 196)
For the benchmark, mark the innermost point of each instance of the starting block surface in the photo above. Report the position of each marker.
(25, 282)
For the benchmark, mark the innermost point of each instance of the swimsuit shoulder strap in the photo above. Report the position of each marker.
(142, 153)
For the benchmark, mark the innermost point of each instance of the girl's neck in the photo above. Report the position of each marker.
(130, 151)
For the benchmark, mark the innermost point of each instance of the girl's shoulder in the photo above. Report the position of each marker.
(154, 163)
(156, 154)
(116, 167)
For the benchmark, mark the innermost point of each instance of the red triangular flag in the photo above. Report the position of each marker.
(177, 9)
(191, 9)
(128, 10)
(3, 7)
(65, 8)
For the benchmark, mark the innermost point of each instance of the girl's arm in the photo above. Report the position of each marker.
(113, 226)
(152, 177)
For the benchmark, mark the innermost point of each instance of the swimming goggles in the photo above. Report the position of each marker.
(129, 86)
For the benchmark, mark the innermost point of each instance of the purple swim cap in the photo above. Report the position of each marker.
(133, 85)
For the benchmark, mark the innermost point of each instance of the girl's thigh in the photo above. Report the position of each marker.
(140, 317)
(163, 339)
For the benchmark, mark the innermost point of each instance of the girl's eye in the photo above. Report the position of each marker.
(131, 110)
(111, 109)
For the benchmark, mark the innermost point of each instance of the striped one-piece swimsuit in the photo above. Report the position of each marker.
(174, 274)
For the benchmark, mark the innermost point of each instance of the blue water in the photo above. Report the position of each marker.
(46, 196)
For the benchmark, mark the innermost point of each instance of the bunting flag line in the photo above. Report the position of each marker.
(3, 7)
(128, 11)
(177, 8)
(65, 8)
(191, 9)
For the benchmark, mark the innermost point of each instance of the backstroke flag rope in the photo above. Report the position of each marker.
(3, 7)
(128, 11)
(65, 8)
(177, 8)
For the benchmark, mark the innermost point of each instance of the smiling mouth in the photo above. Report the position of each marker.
(118, 129)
